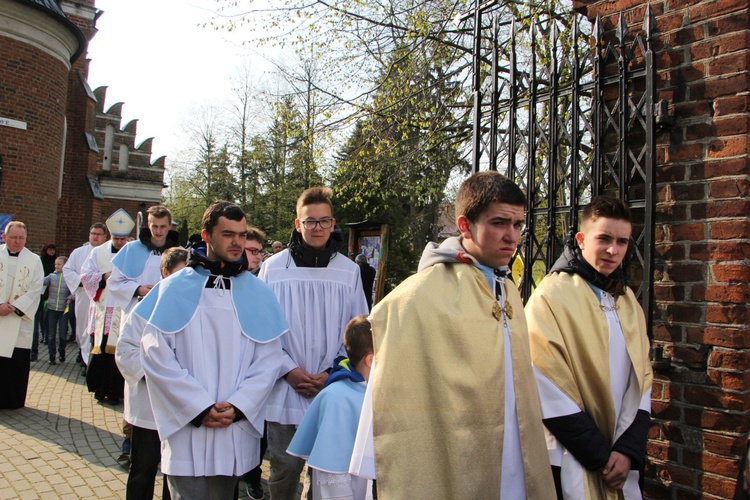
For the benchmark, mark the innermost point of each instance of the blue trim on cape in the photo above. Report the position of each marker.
(172, 303)
(131, 259)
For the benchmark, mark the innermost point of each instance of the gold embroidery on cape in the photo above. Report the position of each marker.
(497, 312)
(508, 310)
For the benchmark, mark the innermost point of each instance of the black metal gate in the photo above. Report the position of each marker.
(568, 117)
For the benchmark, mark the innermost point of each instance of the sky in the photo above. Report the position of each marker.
(156, 58)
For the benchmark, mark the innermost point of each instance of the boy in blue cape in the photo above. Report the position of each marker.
(325, 437)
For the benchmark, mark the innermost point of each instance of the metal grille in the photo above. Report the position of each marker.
(568, 117)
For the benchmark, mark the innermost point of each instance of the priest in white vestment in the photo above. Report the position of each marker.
(72, 275)
(211, 353)
(102, 376)
(21, 277)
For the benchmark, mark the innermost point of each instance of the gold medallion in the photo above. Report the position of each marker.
(497, 312)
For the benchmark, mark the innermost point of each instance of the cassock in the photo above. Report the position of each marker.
(21, 279)
(72, 275)
(455, 413)
(103, 377)
(317, 302)
(590, 354)
(207, 340)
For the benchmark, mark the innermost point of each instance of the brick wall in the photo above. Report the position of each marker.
(33, 89)
(701, 407)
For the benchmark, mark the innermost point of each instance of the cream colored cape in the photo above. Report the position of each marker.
(438, 390)
(22, 290)
(567, 345)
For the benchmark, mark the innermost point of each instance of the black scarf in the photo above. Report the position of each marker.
(197, 258)
(571, 261)
(145, 237)
(305, 256)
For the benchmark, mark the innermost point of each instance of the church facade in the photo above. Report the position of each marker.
(65, 161)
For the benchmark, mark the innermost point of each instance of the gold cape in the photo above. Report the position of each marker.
(567, 345)
(438, 389)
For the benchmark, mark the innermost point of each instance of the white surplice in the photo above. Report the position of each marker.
(123, 284)
(317, 302)
(122, 287)
(104, 315)
(72, 271)
(137, 409)
(208, 361)
(625, 396)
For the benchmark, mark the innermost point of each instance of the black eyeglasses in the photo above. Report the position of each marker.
(253, 251)
(310, 224)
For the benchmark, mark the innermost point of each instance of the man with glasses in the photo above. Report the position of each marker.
(254, 249)
(320, 291)
(72, 275)
(254, 254)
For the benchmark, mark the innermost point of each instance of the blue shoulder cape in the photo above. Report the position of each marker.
(172, 303)
(327, 432)
(131, 259)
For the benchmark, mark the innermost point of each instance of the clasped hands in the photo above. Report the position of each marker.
(220, 415)
(306, 384)
(615, 473)
(6, 309)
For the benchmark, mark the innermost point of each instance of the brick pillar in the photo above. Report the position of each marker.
(701, 407)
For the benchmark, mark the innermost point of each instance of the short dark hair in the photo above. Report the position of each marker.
(605, 206)
(99, 225)
(358, 339)
(484, 188)
(158, 211)
(173, 256)
(255, 234)
(218, 209)
(314, 196)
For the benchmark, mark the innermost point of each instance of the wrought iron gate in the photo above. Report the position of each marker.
(568, 117)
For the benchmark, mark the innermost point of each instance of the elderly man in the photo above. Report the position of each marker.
(72, 275)
(21, 277)
(277, 247)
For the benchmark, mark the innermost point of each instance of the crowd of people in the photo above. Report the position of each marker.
(449, 388)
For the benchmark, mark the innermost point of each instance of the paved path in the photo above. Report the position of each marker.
(64, 443)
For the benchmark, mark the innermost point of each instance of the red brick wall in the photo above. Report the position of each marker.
(701, 408)
(33, 89)
(40, 90)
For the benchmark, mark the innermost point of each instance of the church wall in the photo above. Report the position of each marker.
(33, 91)
(701, 404)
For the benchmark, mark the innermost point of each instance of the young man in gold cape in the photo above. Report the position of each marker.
(590, 353)
(454, 406)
